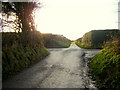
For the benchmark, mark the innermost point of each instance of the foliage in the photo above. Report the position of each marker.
(55, 41)
(22, 11)
(17, 58)
(23, 48)
(79, 44)
(96, 38)
(33, 38)
(18, 54)
(105, 66)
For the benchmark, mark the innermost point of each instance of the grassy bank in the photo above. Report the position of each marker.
(96, 38)
(21, 51)
(55, 41)
(105, 66)
(79, 44)
(17, 58)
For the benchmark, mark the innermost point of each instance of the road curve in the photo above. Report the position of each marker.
(63, 68)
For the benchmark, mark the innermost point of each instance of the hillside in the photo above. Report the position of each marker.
(55, 41)
(105, 66)
(96, 38)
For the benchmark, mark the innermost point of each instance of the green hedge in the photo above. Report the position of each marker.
(20, 50)
(55, 41)
(16, 58)
(97, 38)
(79, 44)
(105, 68)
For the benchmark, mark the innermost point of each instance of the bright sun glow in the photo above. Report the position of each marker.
(73, 18)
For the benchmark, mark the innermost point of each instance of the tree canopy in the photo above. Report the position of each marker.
(23, 12)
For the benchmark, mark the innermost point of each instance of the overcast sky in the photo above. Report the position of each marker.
(73, 18)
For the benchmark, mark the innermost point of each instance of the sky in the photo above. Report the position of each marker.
(73, 18)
